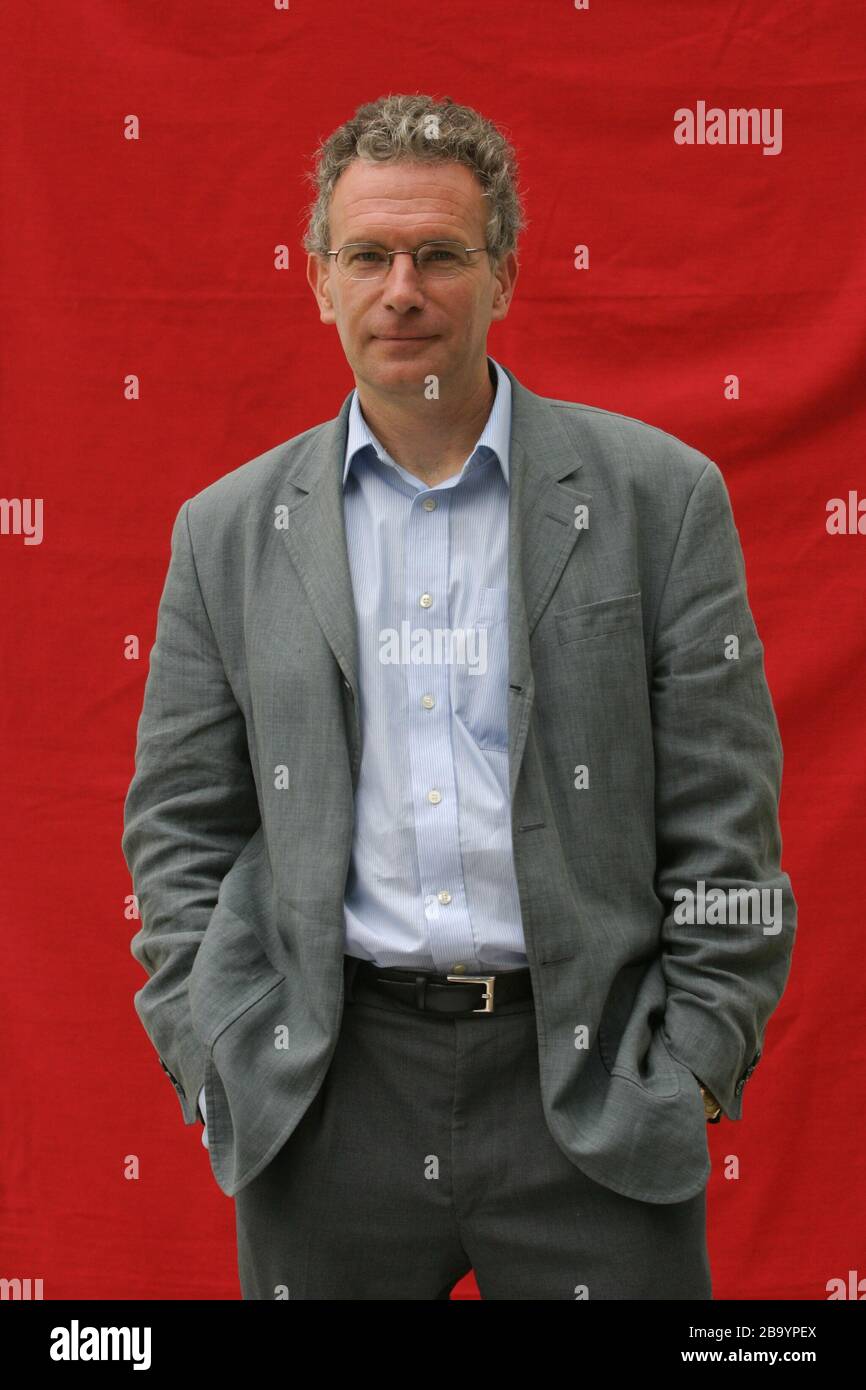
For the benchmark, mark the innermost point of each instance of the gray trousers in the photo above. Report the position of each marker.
(425, 1154)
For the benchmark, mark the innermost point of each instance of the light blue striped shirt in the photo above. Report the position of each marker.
(431, 881)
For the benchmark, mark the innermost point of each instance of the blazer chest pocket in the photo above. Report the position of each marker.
(622, 614)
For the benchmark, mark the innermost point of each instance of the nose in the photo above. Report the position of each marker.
(402, 284)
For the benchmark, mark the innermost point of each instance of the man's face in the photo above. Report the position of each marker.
(397, 330)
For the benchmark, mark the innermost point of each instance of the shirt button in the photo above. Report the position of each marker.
(444, 896)
(427, 701)
(434, 796)
(429, 504)
(426, 600)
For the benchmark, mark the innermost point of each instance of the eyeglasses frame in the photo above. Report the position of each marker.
(433, 241)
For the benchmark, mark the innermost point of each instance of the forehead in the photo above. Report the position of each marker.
(379, 201)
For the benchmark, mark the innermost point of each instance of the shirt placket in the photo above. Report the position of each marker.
(433, 771)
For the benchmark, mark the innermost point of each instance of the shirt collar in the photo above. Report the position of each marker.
(495, 436)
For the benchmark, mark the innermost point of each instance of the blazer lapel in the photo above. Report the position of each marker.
(316, 540)
(542, 535)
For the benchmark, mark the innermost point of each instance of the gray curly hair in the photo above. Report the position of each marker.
(420, 128)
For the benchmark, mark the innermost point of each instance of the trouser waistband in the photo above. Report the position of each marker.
(430, 992)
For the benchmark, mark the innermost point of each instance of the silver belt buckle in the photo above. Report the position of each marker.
(488, 980)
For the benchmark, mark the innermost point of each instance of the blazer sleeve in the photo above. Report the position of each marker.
(190, 809)
(718, 781)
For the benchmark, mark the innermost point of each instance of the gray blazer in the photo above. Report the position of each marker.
(627, 593)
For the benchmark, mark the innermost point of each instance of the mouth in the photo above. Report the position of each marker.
(405, 338)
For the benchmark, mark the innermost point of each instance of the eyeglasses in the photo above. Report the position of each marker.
(367, 260)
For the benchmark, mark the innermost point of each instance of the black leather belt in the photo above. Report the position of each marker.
(443, 994)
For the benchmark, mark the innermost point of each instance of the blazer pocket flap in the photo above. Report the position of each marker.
(597, 619)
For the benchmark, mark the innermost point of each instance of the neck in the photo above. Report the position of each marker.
(431, 439)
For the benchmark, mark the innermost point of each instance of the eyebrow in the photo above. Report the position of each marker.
(374, 241)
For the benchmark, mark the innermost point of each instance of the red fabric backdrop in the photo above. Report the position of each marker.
(156, 257)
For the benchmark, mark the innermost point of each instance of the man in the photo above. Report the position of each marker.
(454, 821)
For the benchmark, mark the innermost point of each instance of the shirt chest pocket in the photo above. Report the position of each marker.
(480, 679)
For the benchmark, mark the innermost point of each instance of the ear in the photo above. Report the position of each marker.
(319, 278)
(505, 273)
